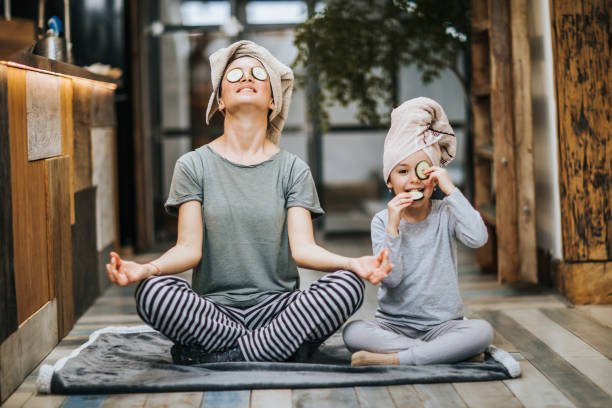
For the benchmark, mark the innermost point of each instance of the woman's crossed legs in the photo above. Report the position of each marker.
(270, 331)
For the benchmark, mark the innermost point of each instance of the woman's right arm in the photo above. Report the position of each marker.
(183, 256)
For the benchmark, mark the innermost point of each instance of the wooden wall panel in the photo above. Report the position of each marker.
(8, 302)
(66, 96)
(27, 347)
(43, 115)
(581, 41)
(523, 127)
(503, 140)
(584, 282)
(59, 240)
(102, 106)
(103, 152)
(82, 135)
(29, 207)
(84, 254)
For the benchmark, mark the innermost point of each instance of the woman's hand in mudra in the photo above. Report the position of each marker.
(372, 268)
(124, 273)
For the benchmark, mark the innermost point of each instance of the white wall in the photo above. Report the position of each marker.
(546, 150)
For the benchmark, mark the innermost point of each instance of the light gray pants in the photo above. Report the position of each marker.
(449, 342)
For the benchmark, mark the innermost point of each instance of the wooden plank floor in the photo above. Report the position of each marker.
(564, 354)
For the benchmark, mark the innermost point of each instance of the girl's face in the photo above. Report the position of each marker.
(246, 90)
(403, 178)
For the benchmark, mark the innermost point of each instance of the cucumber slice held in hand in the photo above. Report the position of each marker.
(416, 195)
(420, 169)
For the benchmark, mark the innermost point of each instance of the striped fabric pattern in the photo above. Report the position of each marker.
(272, 330)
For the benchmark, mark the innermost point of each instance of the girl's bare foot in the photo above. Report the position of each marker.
(365, 358)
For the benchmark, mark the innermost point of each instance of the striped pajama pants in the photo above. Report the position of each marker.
(271, 330)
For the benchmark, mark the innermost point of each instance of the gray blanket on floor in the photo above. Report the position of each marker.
(126, 360)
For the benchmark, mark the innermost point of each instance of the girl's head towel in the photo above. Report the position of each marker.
(418, 124)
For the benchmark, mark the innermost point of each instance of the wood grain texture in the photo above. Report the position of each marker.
(82, 135)
(25, 348)
(581, 42)
(504, 142)
(29, 207)
(125, 401)
(579, 389)
(486, 395)
(59, 240)
(601, 314)
(84, 401)
(68, 134)
(425, 396)
(271, 398)
(8, 301)
(175, 400)
(43, 115)
(534, 390)
(523, 127)
(325, 398)
(45, 401)
(226, 399)
(103, 153)
(585, 358)
(374, 397)
(590, 331)
(84, 253)
(584, 282)
(102, 107)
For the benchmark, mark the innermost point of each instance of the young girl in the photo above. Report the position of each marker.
(419, 318)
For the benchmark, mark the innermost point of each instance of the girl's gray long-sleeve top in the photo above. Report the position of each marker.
(422, 290)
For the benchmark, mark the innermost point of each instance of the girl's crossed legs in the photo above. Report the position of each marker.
(449, 342)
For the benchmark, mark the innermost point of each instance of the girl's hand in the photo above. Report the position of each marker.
(124, 273)
(395, 208)
(438, 175)
(372, 268)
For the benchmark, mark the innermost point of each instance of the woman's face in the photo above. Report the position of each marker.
(403, 178)
(248, 90)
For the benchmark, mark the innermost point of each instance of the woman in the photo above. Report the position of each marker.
(244, 222)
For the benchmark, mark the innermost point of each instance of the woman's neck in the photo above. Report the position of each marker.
(244, 140)
(416, 214)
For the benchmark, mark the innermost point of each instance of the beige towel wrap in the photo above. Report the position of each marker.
(418, 124)
(281, 80)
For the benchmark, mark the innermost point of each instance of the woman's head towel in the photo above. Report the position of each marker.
(418, 124)
(281, 80)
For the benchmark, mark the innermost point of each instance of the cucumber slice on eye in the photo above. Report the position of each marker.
(416, 195)
(420, 168)
(259, 73)
(234, 75)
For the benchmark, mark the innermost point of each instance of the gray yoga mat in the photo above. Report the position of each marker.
(137, 359)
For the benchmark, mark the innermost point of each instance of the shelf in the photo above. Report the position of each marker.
(37, 63)
(484, 152)
(488, 213)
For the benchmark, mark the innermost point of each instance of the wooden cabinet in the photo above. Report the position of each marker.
(503, 141)
(57, 139)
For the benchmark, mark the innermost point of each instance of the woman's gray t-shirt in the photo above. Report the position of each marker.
(245, 250)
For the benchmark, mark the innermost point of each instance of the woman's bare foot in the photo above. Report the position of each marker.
(365, 358)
